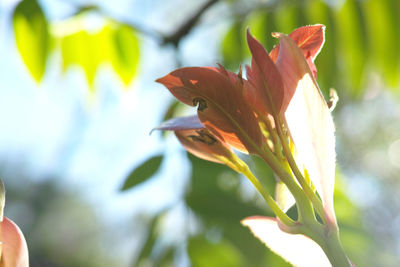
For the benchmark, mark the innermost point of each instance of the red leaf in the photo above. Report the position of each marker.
(310, 40)
(204, 145)
(198, 140)
(266, 88)
(221, 105)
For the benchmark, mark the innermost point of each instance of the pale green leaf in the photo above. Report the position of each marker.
(298, 249)
(87, 50)
(32, 37)
(125, 56)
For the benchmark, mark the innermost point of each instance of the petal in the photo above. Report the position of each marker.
(221, 105)
(267, 86)
(309, 121)
(14, 248)
(310, 40)
(298, 250)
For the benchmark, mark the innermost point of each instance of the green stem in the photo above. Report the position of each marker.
(335, 252)
(283, 217)
(304, 207)
(331, 245)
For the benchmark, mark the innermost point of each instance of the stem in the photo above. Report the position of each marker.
(283, 217)
(304, 207)
(335, 253)
(327, 238)
(334, 250)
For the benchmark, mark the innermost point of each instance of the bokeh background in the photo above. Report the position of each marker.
(89, 185)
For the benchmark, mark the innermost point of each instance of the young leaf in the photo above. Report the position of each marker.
(31, 36)
(145, 171)
(298, 249)
(198, 140)
(265, 78)
(309, 121)
(221, 105)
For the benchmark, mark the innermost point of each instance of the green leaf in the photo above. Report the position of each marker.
(352, 42)
(126, 53)
(32, 37)
(86, 50)
(115, 44)
(143, 172)
(204, 253)
(382, 26)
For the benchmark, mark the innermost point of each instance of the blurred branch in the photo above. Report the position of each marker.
(186, 27)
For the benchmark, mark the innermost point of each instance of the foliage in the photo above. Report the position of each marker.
(115, 43)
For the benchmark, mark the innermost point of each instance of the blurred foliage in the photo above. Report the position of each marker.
(32, 36)
(114, 42)
(143, 172)
(362, 38)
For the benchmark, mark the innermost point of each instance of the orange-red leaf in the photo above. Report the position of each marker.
(310, 40)
(221, 105)
(13, 244)
(299, 250)
(266, 90)
(204, 145)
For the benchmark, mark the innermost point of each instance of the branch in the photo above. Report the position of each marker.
(186, 27)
